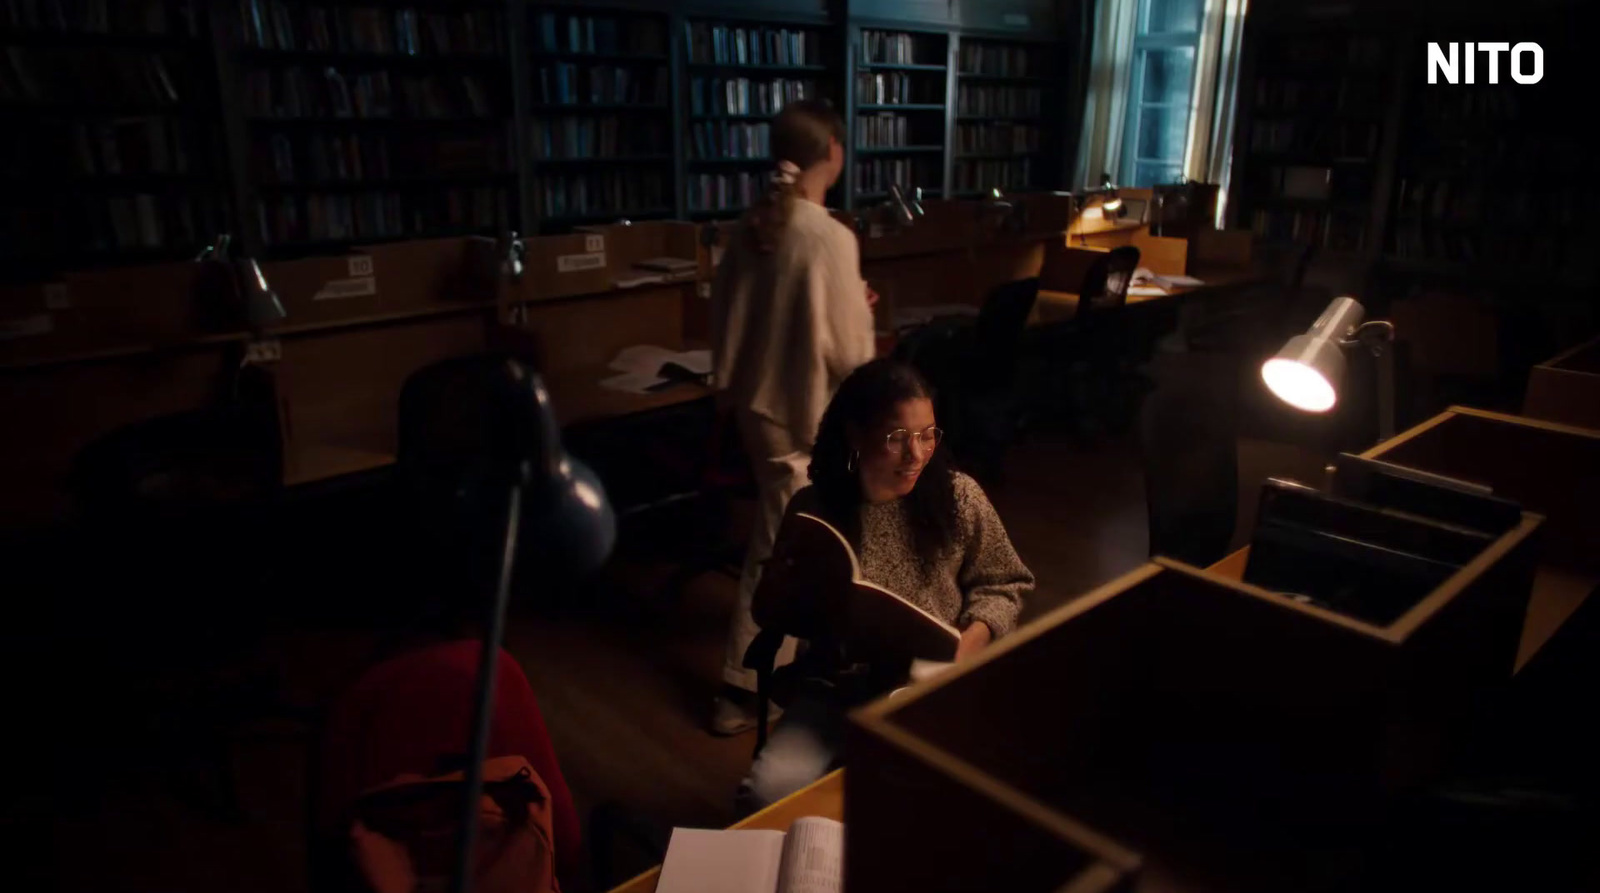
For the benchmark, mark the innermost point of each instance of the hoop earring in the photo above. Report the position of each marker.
(850, 463)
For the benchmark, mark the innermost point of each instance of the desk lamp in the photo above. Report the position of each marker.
(1002, 214)
(556, 511)
(1307, 371)
(907, 210)
(1113, 201)
(261, 304)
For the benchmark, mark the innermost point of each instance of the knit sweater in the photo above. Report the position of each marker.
(979, 578)
(788, 325)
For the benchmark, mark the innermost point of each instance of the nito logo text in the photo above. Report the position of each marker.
(1527, 62)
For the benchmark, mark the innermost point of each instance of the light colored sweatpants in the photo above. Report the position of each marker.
(779, 465)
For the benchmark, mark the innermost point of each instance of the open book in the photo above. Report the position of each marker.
(814, 578)
(808, 859)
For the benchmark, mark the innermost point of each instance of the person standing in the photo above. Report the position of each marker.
(791, 317)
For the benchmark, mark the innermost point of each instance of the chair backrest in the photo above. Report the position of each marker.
(1105, 286)
(409, 716)
(1004, 316)
(1188, 442)
(226, 453)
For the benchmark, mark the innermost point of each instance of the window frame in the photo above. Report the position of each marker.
(1143, 43)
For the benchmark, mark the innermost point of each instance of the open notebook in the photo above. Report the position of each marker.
(814, 569)
(808, 859)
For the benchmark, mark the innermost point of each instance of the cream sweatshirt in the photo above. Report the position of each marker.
(789, 325)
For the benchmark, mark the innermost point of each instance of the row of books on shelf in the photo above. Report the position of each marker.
(743, 96)
(876, 175)
(132, 146)
(378, 215)
(280, 25)
(1504, 251)
(100, 77)
(725, 192)
(1001, 60)
(883, 130)
(1313, 182)
(603, 193)
(605, 136)
(1000, 102)
(603, 34)
(901, 48)
(715, 44)
(134, 17)
(1331, 50)
(567, 83)
(980, 176)
(1319, 137)
(1478, 105)
(728, 139)
(111, 223)
(297, 92)
(332, 157)
(997, 138)
(898, 87)
(1466, 202)
(1337, 95)
(1333, 230)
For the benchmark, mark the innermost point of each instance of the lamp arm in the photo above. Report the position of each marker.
(1374, 334)
(483, 707)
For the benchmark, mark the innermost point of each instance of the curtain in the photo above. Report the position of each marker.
(1210, 152)
(1106, 106)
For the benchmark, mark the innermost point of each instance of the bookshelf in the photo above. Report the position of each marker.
(1000, 130)
(740, 74)
(600, 123)
(1313, 137)
(104, 106)
(1490, 184)
(902, 86)
(308, 126)
(373, 123)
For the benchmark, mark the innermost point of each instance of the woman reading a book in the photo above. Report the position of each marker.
(919, 529)
(790, 318)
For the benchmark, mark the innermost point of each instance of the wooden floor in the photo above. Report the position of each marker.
(624, 689)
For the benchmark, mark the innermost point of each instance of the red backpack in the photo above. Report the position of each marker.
(403, 834)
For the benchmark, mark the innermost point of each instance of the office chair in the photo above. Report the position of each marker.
(1096, 340)
(183, 507)
(1188, 442)
(973, 367)
(409, 715)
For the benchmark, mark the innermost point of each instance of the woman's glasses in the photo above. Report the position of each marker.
(899, 439)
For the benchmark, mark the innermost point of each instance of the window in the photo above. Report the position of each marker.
(1162, 89)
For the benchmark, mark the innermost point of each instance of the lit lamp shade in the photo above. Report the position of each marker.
(1307, 371)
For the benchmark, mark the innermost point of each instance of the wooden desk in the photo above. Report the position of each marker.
(580, 399)
(1061, 306)
(824, 797)
(1566, 388)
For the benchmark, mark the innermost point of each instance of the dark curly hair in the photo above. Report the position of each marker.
(865, 399)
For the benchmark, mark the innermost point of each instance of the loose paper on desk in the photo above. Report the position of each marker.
(809, 859)
(648, 359)
(632, 382)
(640, 367)
(1145, 291)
